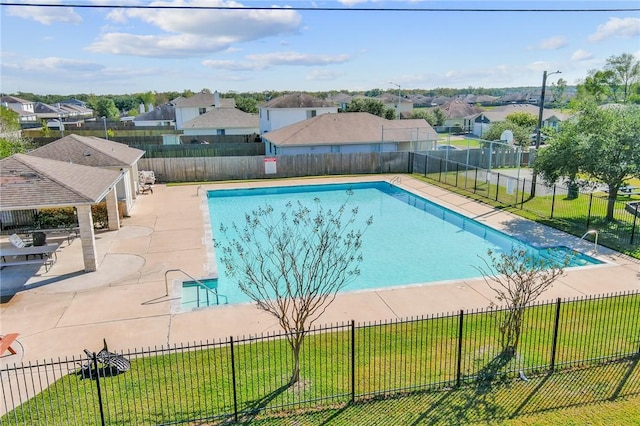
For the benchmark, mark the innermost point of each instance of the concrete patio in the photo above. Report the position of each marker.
(60, 312)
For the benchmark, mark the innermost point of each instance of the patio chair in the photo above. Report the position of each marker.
(17, 241)
(146, 177)
(110, 361)
(143, 188)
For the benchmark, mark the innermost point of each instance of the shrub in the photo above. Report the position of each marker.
(65, 217)
(56, 217)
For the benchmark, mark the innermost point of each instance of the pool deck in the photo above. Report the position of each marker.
(60, 312)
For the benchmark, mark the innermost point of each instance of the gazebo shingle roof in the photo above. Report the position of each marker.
(89, 151)
(29, 182)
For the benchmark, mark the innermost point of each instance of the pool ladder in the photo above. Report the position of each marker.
(395, 179)
(197, 281)
(595, 243)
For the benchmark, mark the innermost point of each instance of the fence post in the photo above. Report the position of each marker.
(497, 185)
(553, 200)
(457, 171)
(233, 380)
(426, 163)
(94, 359)
(353, 361)
(633, 229)
(440, 170)
(459, 361)
(475, 182)
(589, 214)
(524, 186)
(554, 343)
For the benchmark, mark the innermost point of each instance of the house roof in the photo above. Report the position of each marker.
(29, 182)
(160, 113)
(223, 118)
(349, 128)
(14, 100)
(298, 100)
(42, 108)
(201, 100)
(340, 98)
(458, 109)
(393, 98)
(501, 113)
(89, 151)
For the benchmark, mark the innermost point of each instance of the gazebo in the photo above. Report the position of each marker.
(30, 182)
(97, 152)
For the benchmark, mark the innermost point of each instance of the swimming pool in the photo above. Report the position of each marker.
(411, 240)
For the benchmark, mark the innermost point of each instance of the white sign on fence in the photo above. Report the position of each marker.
(270, 167)
(511, 186)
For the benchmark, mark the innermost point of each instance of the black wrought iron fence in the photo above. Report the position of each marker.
(236, 379)
(572, 210)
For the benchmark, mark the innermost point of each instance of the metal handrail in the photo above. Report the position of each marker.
(595, 243)
(395, 179)
(215, 292)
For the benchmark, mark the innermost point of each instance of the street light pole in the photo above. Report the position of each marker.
(104, 120)
(540, 112)
(398, 104)
(60, 125)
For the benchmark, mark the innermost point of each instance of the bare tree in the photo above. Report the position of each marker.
(292, 263)
(518, 278)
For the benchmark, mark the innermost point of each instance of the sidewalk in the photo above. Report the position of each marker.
(60, 312)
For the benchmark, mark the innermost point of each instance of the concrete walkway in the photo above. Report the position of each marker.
(60, 312)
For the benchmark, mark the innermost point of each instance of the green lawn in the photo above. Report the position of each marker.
(604, 395)
(569, 215)
(389, 359)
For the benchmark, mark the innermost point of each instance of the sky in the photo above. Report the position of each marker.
(295, 45)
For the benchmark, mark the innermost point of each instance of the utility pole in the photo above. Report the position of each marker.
(540, 112)
(398, 104)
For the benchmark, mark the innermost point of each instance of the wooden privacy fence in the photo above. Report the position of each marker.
(196, 169)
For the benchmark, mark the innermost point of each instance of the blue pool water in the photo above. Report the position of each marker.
(411, 240)
(195, 295)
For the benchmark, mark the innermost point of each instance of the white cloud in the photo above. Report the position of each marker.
(351, 2)
(232, 65)
(259, 62)
(553, 43)
(59, 65)
(295, 58)
(195, 32)
(45, 15)
(323, 75)
(581, 55)
(617, 27)
(159, 46)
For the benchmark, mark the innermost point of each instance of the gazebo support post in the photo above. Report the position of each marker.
(87, 238)
(112, 210)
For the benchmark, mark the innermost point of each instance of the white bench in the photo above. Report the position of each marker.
(47, 255)
(47, 262)
(70, 232)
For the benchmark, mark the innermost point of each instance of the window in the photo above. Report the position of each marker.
(202, 111)
(220, 132)
(311, 113)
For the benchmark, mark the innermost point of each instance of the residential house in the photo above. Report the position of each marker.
(350, 132)
(187, 109)
(97, 152)
(399, 104)
(292, 108)
(223, 121)
(24, 108)
(342, 100)
(481, 122)
(455, 112)
(162, 115)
